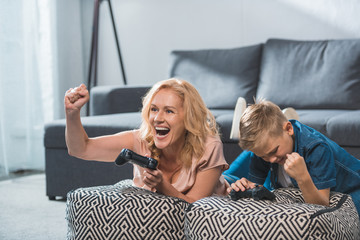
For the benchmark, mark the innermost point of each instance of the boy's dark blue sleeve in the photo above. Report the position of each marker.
(259, 170)
(320, 163)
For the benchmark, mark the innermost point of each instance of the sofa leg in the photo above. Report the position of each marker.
(52, 198)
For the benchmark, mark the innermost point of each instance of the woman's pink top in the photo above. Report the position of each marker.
(213, 157)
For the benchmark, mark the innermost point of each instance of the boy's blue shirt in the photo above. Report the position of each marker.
(329, 165)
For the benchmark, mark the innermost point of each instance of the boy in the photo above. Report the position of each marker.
(296, 156)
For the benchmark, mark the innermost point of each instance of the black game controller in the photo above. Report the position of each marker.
(127, 155)
(257, 193)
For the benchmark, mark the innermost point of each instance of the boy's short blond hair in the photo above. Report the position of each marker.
(260, 120)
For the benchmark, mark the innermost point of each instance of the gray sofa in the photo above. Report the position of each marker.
(320, 79)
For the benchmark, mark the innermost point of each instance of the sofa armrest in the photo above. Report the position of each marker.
(116, 99)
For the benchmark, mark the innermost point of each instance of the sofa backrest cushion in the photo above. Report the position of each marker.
(220, 75)
(311, 74)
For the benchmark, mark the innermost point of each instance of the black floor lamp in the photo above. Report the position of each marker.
(92, 75)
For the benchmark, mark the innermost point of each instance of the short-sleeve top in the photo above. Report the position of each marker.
(212, 157)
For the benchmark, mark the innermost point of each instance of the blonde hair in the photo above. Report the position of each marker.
(199, 121)
(260, 120)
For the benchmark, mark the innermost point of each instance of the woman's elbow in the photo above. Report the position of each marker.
(72, 153)
(77, 154)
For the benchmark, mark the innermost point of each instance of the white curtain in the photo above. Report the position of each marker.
(27, 73)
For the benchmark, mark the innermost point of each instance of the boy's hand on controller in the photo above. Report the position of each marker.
(241, 185)
(295, 166)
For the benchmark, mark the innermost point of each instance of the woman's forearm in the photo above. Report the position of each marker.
(167, 189)
(75, 135)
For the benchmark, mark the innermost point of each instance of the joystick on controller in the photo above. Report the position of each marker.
(127, 155)
(257, 193)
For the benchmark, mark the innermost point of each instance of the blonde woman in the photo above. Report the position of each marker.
(177, 129)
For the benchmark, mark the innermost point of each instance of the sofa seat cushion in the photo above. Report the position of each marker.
(287, 217)
(344, 128)
(311, 74)
(318, 118)
(220, 75)
(122, 211)
(341, 126)
(94, 126)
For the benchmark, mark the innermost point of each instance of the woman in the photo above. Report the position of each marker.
(177, 130)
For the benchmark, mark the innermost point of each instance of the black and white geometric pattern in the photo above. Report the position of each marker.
(287, 217)
(122, 211)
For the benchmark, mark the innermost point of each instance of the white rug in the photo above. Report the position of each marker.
(26, 212)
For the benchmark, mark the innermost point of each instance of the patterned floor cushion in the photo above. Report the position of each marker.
(287, 217)
(122, 211)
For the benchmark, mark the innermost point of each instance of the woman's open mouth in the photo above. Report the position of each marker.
(162, 131)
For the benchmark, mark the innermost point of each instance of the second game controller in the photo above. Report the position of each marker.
(127, 155)
(257, 193)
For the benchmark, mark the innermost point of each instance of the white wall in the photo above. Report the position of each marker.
(149, 30)
(69, 50)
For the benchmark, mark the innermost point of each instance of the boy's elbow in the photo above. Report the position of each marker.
(326, 202)
(321, 201)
